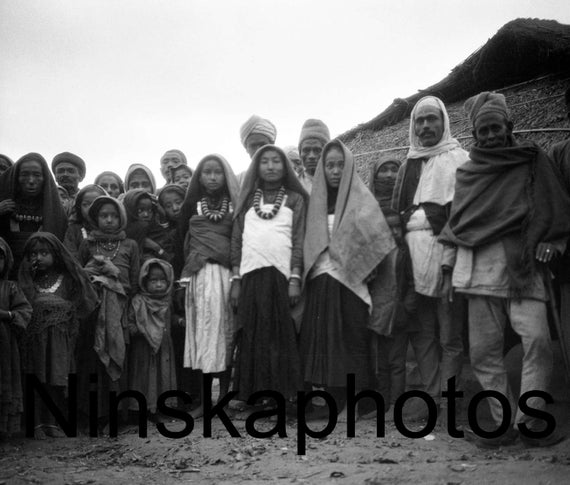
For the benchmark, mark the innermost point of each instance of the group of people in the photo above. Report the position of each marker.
(289, 276)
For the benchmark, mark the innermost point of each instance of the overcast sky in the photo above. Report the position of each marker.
(122, 81)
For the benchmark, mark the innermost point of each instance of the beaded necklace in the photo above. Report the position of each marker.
(214, 215)
(109, 246)
(27, 218)
(52, 288)
(276, 206)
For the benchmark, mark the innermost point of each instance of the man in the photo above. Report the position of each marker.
(169, 161)
(255, 133)
(508, 218)
(422, 195)
(314, 136)
(69, 170)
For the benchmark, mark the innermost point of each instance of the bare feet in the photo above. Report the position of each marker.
(39, 432)
(53, 431)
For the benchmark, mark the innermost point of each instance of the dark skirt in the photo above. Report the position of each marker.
(334, 336)
(268, 358)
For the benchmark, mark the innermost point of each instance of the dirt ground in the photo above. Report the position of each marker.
(336, 459)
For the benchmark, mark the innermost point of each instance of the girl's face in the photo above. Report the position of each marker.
(140, 180)
(172, 203)
(334, 166)
(41, 257)
(271, 166)
(145, 210)
(156, 281)
(182, 177)
(212, 177)
(387, 171)
(86, 202)
(108, 219)
(31, 178)
(111, 185)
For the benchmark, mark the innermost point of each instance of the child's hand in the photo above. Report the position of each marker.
(294, 291)
(7, 206)
(234, 294)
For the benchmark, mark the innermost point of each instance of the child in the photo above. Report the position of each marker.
(206, 274)
(79, 226)
(139, 176)
(181, 175)
(15, 314)
(112, 260)
(267, 260)
(111, 182)
(61, 295)
(151, 355)
(170, 199)
(144, 228)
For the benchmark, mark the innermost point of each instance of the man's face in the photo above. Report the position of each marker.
(254, 142)
(310, 152)
(168, 163)
(428, 125)
(492, 130)
(67, 175)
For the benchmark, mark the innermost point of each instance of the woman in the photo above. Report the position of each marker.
(347, 237)
(267, 260)
(29, 202)
(139, 176)
(111, 182)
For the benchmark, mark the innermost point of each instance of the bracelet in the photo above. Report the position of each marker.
(235, 278)
(295, 277)
(292, 282)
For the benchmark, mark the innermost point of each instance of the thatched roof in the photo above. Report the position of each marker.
(528, 60)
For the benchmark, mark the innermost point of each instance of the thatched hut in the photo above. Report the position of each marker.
(528, 60)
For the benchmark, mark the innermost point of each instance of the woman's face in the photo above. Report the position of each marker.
(334, 166)
(140, 180)
(31, 178)
(108, 219)
(111, 185)
(212, 176)
(386, 171)
(271, 167)
(86, 202)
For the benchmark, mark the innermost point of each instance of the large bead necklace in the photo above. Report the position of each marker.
(276, 206)
(214, 215)
(109, 245)
(27, 218)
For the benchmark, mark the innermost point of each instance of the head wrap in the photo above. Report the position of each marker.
(77, 214)
(383, 190)
(5, 162)
(139, 166)
(151, 309)
(175, 154)
(84, 296)
(8, 259)
(445, 144)
(94, 212)
(257, 125)
(111, 174)
(486, 102)
(54, 216)
(251, 179)
(69, 158)
(170, 188)
(314, 129)
(360, 237)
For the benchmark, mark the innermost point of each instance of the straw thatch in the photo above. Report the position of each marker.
(528, 60)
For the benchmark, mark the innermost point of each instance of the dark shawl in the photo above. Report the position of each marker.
(139, 230)
(54, 216)
(513, 194)
(196, 250)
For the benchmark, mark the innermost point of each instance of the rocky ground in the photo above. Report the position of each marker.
(365, 459)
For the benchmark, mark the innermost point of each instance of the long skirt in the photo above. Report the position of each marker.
(334, 336)
(209, 320)
(268, 356)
